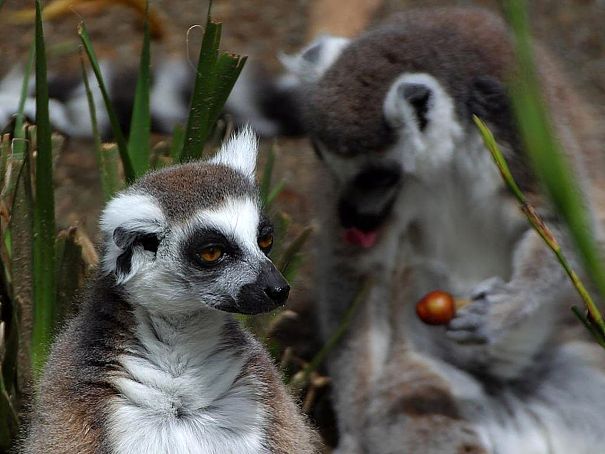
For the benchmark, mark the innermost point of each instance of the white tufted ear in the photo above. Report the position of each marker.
(239, 152)
(132, 225)
(420, 108)
(312, 62)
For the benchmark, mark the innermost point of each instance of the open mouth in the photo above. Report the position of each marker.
(360, 238)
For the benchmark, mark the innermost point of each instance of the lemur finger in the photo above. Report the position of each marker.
(465, 322)
(468, 337)
(487, 286)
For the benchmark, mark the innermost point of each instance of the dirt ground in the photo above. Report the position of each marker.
(573, 29)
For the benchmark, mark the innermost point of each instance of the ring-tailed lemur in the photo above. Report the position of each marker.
(154, 362)
(409, 196)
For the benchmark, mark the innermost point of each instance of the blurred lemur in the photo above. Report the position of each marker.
(410, 197)
(154, 362)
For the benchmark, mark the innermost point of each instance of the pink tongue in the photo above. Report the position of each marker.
(360, 238)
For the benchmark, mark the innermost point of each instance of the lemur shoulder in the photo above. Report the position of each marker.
(154, 361)
(409, 195)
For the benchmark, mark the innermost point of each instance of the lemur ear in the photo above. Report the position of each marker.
(239, 152)
(409, 100)
(133, 225)
(310, 64)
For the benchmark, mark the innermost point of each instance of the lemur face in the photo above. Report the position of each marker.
(194, 235)
(372, 129)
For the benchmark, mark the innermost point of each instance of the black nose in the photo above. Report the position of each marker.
(279, 294)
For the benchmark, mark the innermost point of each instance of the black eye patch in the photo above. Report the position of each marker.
(265, 227)
(204, 238)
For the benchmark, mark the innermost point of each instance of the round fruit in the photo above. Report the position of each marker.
(436, 308)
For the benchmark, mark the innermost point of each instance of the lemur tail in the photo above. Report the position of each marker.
(269, 104)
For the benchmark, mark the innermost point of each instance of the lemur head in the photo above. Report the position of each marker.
(194, 235)
(393, 104)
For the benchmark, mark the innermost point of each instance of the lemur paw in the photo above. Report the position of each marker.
(478, 322)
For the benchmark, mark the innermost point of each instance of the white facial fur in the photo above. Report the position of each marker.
(166, 279)
(314, 60)
(239, 152)
(132, 211)
(159, 281)
(435, 145)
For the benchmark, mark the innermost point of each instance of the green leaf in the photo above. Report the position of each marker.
(198, 122)
(129, 171)
(215, 76)
(544, 150)
(267, 177)
(105, 157)
(44, 214)
(288, 262)
(178, 140)
(19, 131)
(140, 124)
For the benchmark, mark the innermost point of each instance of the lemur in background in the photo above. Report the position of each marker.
(409, 196)
(154, 362)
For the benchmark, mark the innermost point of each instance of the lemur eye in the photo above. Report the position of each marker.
(265, 242)
(211, 254)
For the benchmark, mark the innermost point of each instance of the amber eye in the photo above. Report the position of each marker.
(265, 242)
(211, 254)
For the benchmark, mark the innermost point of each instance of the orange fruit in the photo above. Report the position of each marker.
(436, 308)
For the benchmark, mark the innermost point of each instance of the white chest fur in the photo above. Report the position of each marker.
(184, 391)
(465, 221)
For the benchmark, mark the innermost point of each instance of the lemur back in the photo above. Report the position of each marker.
(408, 196)
(154, 362)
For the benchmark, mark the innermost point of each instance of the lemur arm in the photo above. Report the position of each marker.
(507, 323)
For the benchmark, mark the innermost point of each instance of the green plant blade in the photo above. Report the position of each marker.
(228, 68)
(267, 178)
(113, 118)
(301, 378)
(178, 140)
(290, 258)
(215, 76)
(106, 158)
(44, 214)
(19, 132)
(544, 150)
(140, 123)
(198, 123)
(540, 227)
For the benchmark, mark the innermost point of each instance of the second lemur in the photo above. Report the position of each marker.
(409, 196)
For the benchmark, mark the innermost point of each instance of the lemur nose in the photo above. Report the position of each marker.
(278, 294)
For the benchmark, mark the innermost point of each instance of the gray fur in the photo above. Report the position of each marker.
(191, 187)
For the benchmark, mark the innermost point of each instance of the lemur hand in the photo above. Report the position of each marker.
(480, 321)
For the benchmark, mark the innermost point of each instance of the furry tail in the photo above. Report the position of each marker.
(269, 104)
